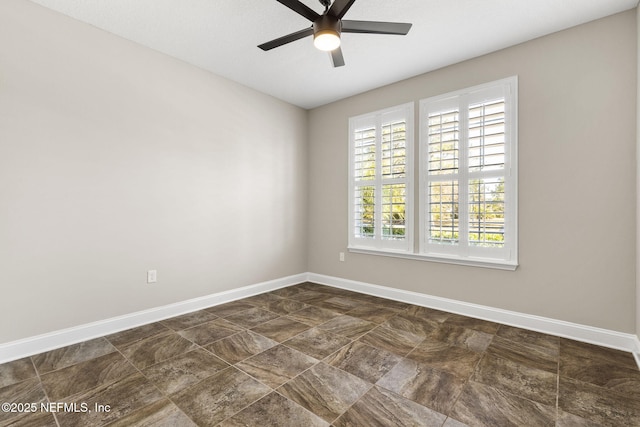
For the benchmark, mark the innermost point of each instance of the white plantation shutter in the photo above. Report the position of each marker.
(380, 179)
(468, 186)
(443, 159)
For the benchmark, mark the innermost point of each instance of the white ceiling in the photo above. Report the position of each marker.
(222, 35)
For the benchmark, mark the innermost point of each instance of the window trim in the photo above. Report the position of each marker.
(476, 256)
(415, 251)
(444, 259)
(405, 246)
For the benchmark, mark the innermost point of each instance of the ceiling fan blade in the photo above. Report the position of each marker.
(286, 39)
(337, 58)
(340, 7)
(301, 9)
(375, 27)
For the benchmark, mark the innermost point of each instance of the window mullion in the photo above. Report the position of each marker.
(463, 177)
(378, 183)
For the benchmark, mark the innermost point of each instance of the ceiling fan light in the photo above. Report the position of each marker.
(326, 40)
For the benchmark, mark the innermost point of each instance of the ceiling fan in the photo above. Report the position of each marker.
(326, 28)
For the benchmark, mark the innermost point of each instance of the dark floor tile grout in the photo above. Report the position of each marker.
(558, 386)
(354, 403)
(46, 394)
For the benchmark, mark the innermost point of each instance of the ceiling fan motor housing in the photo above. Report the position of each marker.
(327, 24)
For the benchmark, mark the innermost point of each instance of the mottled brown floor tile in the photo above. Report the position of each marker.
(348, 326)
(472, 323)
(34, 419)
(123, 397)
(312, 297)
(363, 361)
(230, 308)
(371, 299)
(419, 328)
(391, 339)
(524, 353)
(277, 365)
(274, 410)
(344, 293)
(533, 341)
(598, 404)
(16, 371)
(481, 405)
(425, 313)
(574, 349)
(210, 331)
(285, 306)
(162, 413)
(220, 396)
(382, 408)
(262, 300)
(602, 373)
(462, 337)
(569, 420)
(121, 339)
(28, 391)
(189, 320)
(85, 375)
(175, 374)
(531, 383)
(339, 304)
(373, 313)
(455, 360)
(239, 346)
(423, 384)
(326, 391)
(317, 343)
(313, 316)
(311, 286)
(450, 422)
(156, 349)
(252, 317)
(512, 382)
(70, 355)
(289, 291)
(281, 329)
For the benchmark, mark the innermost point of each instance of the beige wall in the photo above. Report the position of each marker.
(638, 179)
(115, 159)
(577, 127)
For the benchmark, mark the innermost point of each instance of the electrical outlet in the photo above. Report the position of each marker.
(341, 256)
(152, 276)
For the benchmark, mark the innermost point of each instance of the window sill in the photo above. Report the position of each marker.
(471, 262)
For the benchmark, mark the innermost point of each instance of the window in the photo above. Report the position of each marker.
(381, 177)
(468, 183)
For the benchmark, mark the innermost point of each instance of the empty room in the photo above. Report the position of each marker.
(319, 213)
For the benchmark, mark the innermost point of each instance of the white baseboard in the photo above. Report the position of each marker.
(589, 334)
(33, 345)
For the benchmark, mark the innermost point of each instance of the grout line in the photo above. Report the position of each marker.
(44, 390)
(558, 385)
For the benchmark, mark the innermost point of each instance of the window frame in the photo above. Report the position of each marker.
(463, 253)
(377, 119)
(479, 257)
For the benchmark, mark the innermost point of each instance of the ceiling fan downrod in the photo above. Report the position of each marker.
(326, 4)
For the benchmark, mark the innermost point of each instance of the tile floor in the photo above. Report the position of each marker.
(310, 355)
